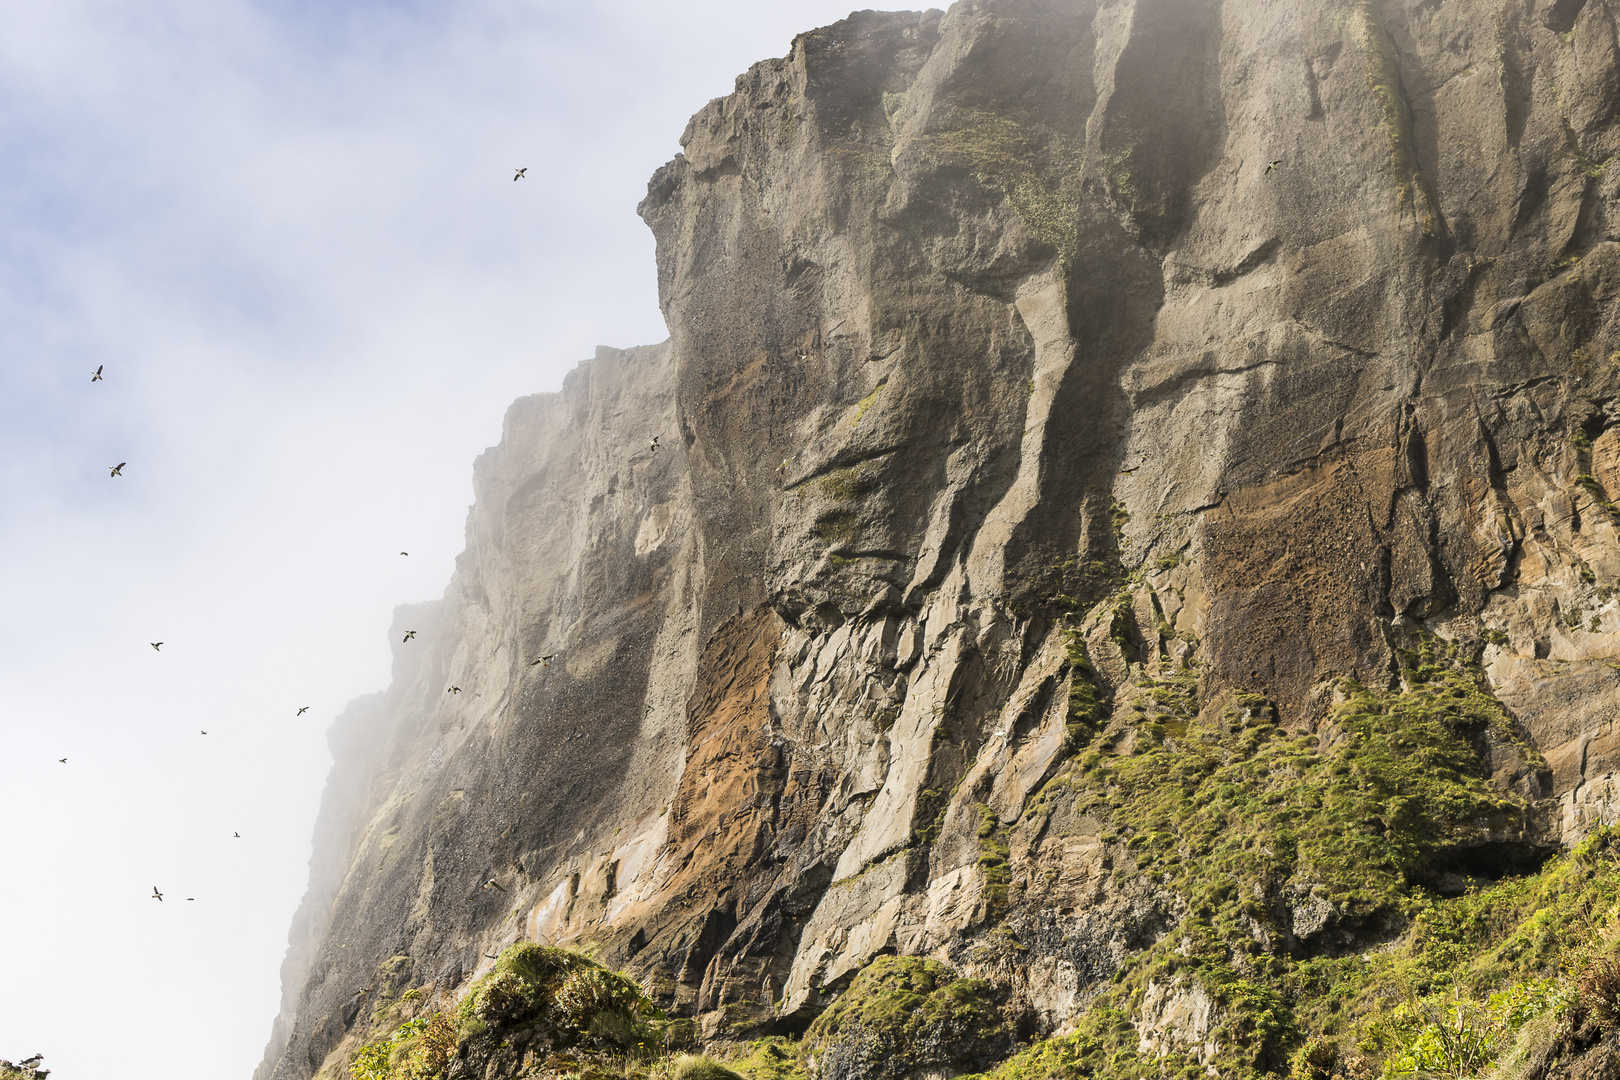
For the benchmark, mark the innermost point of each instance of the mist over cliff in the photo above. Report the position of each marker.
(1131, 516)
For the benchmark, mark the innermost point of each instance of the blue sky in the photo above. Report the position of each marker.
(290, 233)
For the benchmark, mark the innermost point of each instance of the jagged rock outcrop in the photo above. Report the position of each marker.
(1013, 407)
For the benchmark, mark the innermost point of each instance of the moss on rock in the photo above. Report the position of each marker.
(904, 1013)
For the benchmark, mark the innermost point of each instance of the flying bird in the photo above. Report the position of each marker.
(191, 898)
(118, 469)
(493, 884)
(155, 894)
(519, 175)
(409, 634)
(95, 376)
(653, 446)
(454, 690)
(304, 710)
(404, 553)
(1270, 165)
(155, 645)
(236, 835)
(204, 732)
(62, 760)
(544, 660)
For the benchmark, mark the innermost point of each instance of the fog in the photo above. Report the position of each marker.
(289, 235)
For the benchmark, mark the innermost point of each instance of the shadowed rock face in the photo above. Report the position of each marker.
(991, 337)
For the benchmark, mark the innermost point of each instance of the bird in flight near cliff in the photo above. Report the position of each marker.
(95, 376)
(519, 175)
(493, 884)
(454, 690)
(157, 646)
(118, 469)
(155, 894)
(1270, 165)
(653, 446)
(304, 710)
(544, 660)
(409, 634)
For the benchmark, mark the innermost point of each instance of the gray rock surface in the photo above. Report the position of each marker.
(984, 324)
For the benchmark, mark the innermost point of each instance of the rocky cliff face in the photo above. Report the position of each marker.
(1066, 404)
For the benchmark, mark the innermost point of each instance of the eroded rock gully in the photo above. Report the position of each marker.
(1011, 408)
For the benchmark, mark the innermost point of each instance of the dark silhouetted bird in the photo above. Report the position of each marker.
(62, 760)
(155, 645)
(519, 175)
(236, 835)
(155, 894)
(191, 898)
(95, 376)
(1270, 165)
(454, 690)
(405, 553)
(304, 710)
(409, 634)
(203, 732)
(118, 469)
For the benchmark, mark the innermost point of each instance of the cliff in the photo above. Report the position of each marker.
(1131, 518)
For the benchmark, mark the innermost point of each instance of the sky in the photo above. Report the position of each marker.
(288, 234)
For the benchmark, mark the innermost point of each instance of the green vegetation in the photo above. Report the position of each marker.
(1038, 172)
(1384, 78)
(993, 854)
(1087, 711)
(580, 1007)
(1271, 841)
(848, 485)
(866, 403)
(699, 1067)
(838, 526)
(774, 1058)
(418, 1049)
(909, 1012)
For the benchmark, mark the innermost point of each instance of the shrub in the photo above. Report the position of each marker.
(1453, 1035)
(1314, 1060)
(1597, 993)
(699, 1067)
(418, 1049)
